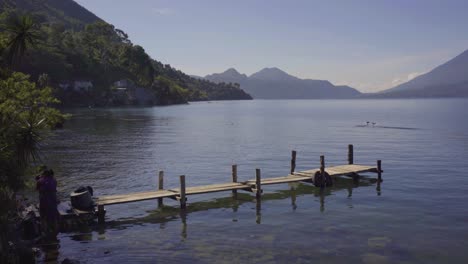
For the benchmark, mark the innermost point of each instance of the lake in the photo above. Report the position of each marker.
(419, 214)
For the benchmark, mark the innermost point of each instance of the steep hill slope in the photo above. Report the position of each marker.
(449, 79)
(67, 12)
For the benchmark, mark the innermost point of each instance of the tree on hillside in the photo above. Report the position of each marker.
(23, 34)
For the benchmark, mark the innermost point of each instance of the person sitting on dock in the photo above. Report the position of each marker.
(47, 187)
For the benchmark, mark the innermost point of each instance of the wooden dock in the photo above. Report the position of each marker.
(320, 177)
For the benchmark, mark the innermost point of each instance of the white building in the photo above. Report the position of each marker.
(82, 86)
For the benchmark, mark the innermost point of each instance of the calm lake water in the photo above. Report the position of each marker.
(419, 214)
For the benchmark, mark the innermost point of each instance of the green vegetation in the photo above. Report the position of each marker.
(70, 50)
(26, 113)
(23, 35)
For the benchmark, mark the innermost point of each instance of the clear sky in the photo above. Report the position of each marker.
(368, 44)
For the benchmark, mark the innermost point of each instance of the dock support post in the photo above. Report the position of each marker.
(350, 154)
(160, 187)
(293, 161)
(322, 164)
(183, 217)
(322, 171)
(182, 192)
(101, 214)
(258, 185)
(234, 177)
(379, 170)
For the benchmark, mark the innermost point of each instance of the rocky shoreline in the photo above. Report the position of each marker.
(23, 241)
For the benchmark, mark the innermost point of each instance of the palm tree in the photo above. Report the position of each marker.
(23, 34)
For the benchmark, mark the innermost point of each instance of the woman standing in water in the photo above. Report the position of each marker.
(47, 187)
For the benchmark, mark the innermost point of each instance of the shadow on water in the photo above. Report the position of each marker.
(390, 127)
(167, 214)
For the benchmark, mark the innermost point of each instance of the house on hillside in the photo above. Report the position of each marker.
(82, 86)
(127, 91)
(124, 83)
(77, 86)
(65, 86)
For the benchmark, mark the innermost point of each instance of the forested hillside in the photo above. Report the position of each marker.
(70, 44)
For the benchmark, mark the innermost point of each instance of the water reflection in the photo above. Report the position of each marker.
(292, 190)
(258, 211)
(378, 189)
(322, 199)
(183, 217)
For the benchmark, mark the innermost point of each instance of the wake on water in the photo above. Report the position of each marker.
(389, 127)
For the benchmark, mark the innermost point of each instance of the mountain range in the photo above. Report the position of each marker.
(273, 83)
(447, 80)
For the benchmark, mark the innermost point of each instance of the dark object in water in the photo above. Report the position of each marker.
(324, 180)
(81, 198)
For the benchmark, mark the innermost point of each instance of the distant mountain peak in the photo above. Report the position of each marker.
(231, 71)
(229, 75)
(272, 74)
(271, 70)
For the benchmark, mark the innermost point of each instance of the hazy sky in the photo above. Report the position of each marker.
(369, 44)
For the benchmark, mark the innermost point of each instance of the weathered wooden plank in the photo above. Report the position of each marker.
(278, 180)
(134, 197)
(213, 188)
(340, 170)
(119, 196)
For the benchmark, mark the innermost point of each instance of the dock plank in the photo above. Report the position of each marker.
(341, 170)
(279, 180)
(134, 197)
(213, 188)
(309, 174)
